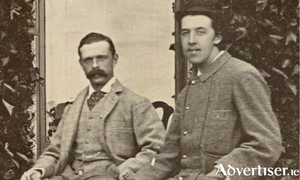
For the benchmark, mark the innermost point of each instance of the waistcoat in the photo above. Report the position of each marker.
(87, 147)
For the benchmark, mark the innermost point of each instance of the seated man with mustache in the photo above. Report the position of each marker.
(108, 131)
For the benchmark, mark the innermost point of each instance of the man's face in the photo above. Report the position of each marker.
(198, 39)
(98, 62)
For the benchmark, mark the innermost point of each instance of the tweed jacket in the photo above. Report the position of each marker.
(224, 116)
(131, 132)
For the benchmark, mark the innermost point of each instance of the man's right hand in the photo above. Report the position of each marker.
(31, 175)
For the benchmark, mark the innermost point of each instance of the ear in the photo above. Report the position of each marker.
(217, 39)
(115, 59)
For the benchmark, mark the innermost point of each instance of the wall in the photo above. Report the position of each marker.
(141, 31)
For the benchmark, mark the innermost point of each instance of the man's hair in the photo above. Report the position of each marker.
(209, 8)
(96, 37)
(217, 21)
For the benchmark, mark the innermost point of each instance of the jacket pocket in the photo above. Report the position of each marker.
(220, 132)
(123, 142)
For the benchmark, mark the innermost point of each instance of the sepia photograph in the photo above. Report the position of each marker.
(149, 90)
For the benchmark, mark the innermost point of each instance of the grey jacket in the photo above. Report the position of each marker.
(223, 116)
(131, 132)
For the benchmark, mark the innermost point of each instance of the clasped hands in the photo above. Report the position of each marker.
(32, 174)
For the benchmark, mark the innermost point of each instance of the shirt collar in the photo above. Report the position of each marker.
(106, 88)
(217, 56)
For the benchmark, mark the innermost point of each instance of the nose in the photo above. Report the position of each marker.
(192, 38)
(95, 63)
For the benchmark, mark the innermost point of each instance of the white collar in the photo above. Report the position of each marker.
(106, 88)
(217, 56)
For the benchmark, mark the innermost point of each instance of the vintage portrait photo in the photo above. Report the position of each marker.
(149, 90)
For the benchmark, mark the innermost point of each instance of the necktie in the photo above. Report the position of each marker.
(94, 99)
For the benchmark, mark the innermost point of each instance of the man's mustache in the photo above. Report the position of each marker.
(95, 72)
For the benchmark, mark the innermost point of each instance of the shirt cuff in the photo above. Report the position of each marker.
(217, 167)
(40, 170)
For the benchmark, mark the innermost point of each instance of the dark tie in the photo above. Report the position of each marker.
(94, 99)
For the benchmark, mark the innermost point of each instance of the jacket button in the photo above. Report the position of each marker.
(193, 82)
(88, 130)
(184, 156)
(185, 133)
(187, 108)
(91, 118)
(152, 162)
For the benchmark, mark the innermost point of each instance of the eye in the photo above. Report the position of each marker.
(200, 32)
(184, 33)
(87, 60)
(101, 58)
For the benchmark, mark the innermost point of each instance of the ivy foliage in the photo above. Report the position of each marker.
(18, 78)
(265, 33)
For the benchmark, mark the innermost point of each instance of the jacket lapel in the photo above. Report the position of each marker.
(111, 99)
(215, 66)
(107, 107)
(70, 129)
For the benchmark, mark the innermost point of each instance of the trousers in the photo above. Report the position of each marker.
(96, 170)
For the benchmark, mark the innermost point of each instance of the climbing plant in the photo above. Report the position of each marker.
(265, 33)
(18, 78)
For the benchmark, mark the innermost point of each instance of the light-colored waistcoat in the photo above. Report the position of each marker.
(87, 146)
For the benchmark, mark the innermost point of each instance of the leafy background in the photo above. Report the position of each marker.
(18, 78)
(264, 33)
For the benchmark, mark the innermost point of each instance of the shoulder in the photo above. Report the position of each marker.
(137, 104)
(125, 93)
(245, 76)
(240, 66)
(130, 96)
(238, 69)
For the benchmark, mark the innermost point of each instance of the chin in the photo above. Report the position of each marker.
(195, 60)
(98, 81)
